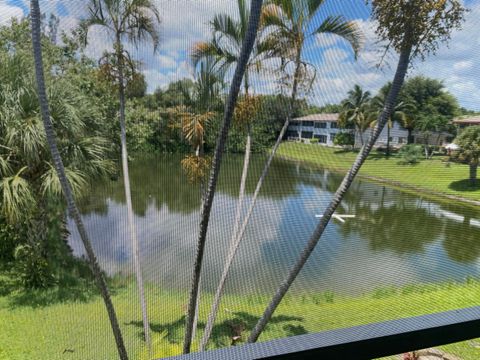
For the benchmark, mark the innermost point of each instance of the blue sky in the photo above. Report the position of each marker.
(186, 21)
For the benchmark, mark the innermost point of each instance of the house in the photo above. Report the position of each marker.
(435, 138)
(324, 127)
(398, 136)
(464, 121)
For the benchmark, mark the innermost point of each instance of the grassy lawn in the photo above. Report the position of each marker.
(431, 175)
(80, 330)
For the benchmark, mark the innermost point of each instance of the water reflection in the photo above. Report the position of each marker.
(396, 238)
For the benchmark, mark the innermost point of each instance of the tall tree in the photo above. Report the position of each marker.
(60, 169)
(225, 46)
(246, 49)
(469, 142)
(288, 25)
(135, 21)
(355, 110)
(401, 113)
(428, 99)
(412, 28)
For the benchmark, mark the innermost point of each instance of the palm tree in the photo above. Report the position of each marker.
(337, 198)
(247, 46)
(225, 46)
(136, 21)
(400, 112)
(57, 159)
(287, 24)
(355, 110)
(244, 113)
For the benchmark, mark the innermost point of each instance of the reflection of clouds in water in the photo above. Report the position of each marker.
(167, 242)
(387, 244)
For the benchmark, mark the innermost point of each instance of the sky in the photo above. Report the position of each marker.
(185, 22)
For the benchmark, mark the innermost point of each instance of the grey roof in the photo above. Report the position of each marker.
(467, 120)
(318, 117)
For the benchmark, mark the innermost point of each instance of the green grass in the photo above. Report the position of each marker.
(80, 330)
(435, 175)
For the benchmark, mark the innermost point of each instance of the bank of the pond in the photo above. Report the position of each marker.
(434, 177)
(81, 330)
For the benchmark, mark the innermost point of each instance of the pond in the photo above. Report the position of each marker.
(395, 239)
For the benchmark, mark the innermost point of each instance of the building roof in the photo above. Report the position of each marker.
(473, 120)
(318, 117)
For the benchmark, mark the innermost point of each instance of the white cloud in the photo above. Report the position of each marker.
(185, 22)
(7, 12)
(166, 62)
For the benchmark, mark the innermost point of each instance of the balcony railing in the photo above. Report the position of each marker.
(360, 342)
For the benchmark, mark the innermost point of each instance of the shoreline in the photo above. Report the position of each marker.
(432, 194)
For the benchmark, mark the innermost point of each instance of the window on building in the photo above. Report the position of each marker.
(333, 125)
(321, 138)
(332, 137)
(292, 134)
(294, 123)
(320, 125)
(307, 123)
(307, 134)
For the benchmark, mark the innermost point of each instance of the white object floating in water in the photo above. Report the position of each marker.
(340, 218)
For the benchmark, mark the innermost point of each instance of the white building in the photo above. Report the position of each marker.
(324, 127)
(398, 136)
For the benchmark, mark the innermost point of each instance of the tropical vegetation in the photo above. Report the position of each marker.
(67, 122)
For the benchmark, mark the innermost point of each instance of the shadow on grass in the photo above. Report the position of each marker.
(464, 185)
(224, 332)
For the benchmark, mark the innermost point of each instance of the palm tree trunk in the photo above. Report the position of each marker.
(128, 197)
(67, 191)
(473, 174)
(410, 136)
(342, 189)
(247, 47)
(233, 246)
(388, 139)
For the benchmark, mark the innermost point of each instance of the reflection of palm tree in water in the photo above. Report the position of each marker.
(462, 241)
(401, 227)
(160, 181)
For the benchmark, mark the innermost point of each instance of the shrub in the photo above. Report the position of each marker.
(314, 141)
(31, 269)
(344, 139)
(411, 153)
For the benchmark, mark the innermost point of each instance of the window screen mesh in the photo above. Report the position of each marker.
(404, 240)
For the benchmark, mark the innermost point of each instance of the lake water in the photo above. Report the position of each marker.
(395, 239)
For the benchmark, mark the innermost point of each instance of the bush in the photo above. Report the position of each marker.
(344, 139)
(411, 153)
(314, 141)
(31, 269)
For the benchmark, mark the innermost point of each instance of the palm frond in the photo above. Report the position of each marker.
(17, 197)
(348, 30)
(50, 183)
